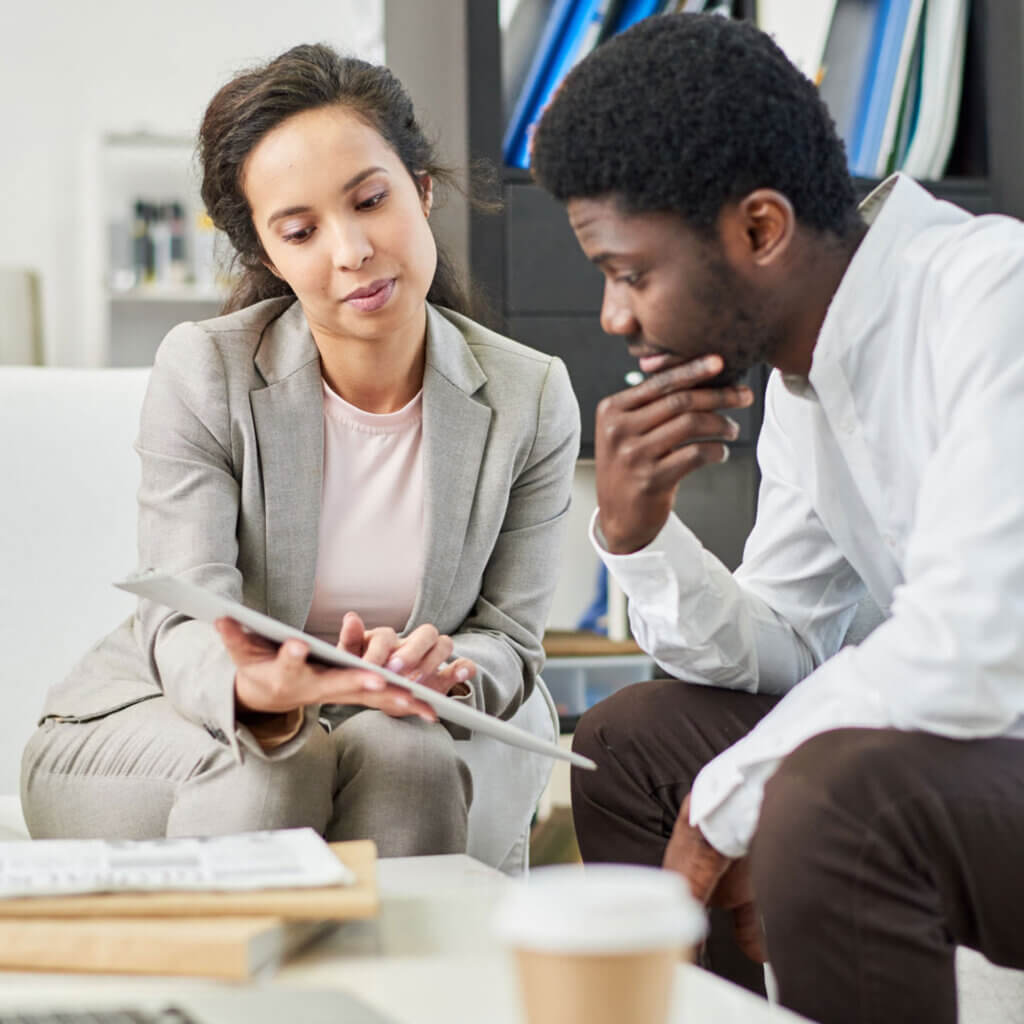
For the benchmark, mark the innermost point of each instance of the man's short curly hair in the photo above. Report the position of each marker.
(687, 113)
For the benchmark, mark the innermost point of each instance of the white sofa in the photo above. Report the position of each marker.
(68, 476)
(67, 490)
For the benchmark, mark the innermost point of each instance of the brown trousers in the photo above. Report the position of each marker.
(876, 854)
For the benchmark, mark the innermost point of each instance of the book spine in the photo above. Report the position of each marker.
(515, 147)
(118, 948)
(892, 20)
(898, 91)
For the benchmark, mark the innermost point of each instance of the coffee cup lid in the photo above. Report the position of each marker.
(603, 908)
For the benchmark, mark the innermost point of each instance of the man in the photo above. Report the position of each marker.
(864, 804)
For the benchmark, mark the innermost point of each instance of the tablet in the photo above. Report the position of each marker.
(205, 605)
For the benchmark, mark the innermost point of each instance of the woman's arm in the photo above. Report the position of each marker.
(188, 510)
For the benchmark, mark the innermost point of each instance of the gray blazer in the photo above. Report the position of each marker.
(231, 449)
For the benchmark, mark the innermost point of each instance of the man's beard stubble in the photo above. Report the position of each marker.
(738, 328)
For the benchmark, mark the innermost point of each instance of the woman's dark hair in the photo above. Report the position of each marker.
(255, 102)
(687, 113)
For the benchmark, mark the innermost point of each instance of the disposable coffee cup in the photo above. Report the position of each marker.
(599, 945)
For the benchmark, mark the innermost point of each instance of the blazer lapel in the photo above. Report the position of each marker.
(288, 420)
(455, 429)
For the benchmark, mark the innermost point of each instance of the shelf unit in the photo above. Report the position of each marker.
(529, 265)
(124, 318)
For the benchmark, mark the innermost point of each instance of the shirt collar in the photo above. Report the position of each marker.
(880, 211)
(894, 211)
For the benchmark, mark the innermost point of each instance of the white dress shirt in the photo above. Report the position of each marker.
(891, 470)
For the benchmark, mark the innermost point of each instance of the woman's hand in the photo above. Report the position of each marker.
(278, 679)
(420, 656)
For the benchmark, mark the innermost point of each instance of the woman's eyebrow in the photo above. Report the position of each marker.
(347, 187)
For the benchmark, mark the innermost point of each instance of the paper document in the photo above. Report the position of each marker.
(280, 859)
(205, 605)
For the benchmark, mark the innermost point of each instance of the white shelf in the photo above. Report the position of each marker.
(156, 293)
(125, 322)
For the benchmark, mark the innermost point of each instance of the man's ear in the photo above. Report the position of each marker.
(758, 230)
(425, 183)
(769, 223)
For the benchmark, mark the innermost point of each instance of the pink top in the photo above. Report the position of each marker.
(370, 558)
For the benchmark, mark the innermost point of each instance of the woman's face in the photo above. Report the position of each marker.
(343, 222)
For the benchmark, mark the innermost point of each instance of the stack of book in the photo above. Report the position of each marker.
(890, 71)
(546, 40)
(230, 933)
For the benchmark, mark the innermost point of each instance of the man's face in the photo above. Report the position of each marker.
(669, 292)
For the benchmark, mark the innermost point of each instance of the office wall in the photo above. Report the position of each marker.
(70, 70)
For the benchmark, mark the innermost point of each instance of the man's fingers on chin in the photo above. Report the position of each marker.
(685, 374)
(689, 457)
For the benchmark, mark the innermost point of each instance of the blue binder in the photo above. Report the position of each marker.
(879, 81)
(570, 25)
(634, 11)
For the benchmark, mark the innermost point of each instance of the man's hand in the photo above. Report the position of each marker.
(716, 880)
(651, 436)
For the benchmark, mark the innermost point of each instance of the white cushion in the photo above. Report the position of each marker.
(12, 824)
(68, 513)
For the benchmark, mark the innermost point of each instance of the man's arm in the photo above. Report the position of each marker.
(783, 614)
(950, 659)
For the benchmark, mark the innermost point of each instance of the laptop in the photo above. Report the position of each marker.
(200, 1004)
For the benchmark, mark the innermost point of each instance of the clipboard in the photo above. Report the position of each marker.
(200, 603)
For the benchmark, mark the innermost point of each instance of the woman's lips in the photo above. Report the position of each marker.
(368, 300)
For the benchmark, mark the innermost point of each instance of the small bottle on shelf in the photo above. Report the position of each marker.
(204, 259)
(160, 236)
(179, 262)
(141, 259)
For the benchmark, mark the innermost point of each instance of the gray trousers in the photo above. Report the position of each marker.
(146, 772)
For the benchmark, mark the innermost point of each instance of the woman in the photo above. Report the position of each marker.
(346, 452)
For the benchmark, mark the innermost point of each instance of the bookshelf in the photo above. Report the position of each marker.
(526, 259)
(144, 276)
